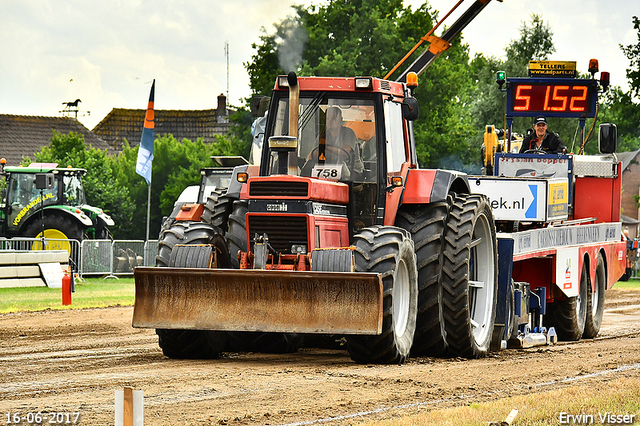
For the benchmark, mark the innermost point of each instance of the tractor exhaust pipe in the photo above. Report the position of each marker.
(294, 103)
(286, 146)
(294, 115)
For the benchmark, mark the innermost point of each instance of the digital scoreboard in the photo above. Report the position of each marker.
(552, 97)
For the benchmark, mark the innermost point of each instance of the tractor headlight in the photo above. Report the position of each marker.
(283, 81)
(298, 249)
(364, 83)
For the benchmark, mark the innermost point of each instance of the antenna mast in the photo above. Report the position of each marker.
(226, 52)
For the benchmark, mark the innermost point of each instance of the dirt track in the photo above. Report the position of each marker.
(73, 361)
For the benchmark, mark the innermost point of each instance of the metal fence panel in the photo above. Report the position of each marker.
(150, 252)
(96, 257)
(127, 254)
(635, 273)
(27, 244)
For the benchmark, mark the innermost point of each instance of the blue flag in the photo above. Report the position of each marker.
(145, 151)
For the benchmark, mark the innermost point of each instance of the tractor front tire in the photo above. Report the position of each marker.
(237, 231)
(191, 344)
(182, 232)
(270, 343)
(470, 276)
(388, 251)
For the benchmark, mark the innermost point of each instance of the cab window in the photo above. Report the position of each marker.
(394, 132)
(336, 138)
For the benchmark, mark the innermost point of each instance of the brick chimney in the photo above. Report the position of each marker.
(221, 112)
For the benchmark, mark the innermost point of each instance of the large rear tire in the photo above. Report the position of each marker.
(427, 225)
(191, 344)
(237, 231)
(217, 210)
(569, 316)
(595, 301)
(59, 226)
(388, 251)
(469, 276)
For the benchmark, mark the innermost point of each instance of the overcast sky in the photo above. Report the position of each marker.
(106, 52)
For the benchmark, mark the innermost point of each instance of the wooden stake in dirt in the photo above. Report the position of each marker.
(129, 408)
(507, 422)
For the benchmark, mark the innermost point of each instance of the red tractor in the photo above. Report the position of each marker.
(337, 233)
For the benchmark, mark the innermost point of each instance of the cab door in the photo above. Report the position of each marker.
(395, 149)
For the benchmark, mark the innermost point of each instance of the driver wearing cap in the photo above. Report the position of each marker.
(542, 139)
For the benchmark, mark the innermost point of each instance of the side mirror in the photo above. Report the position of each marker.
(607, 138)
(410, 110)
(259, 105)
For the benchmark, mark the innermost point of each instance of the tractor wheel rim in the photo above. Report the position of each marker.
(400, 298)
(594, 300)
(53, 234)
(595, 295)
(481, 279)
(582, 295)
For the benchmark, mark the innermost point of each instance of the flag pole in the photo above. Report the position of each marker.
(149, 206)
(145, 151)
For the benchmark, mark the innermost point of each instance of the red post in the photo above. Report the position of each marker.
(66, 289)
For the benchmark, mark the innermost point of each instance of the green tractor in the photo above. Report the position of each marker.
(43, 200)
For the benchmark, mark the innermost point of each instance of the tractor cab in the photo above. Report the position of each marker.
(34, 196)
(342, 128)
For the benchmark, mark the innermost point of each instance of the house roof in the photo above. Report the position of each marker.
(628, 220)
(121, 124)
(23, 136)
(626, 158)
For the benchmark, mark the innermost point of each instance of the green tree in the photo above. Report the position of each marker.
(622, 108)
(264, 65)
(70, 150)
(444, 132)
(239, 137)
(368, 37)
(339, 38)
(176, 165)
(535, 43)
(632, 52)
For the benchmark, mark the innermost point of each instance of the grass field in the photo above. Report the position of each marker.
(92, 293)
(616, 397)
(628, 284)
(98, 293)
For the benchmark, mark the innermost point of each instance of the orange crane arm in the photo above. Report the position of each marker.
(438, 44)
